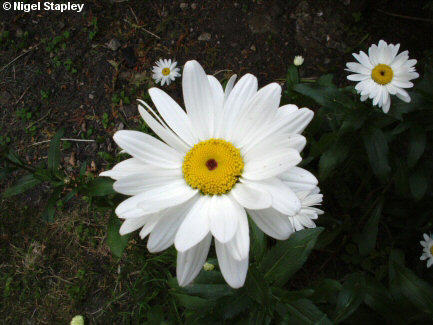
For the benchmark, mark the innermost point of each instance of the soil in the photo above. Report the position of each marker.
(83, 72)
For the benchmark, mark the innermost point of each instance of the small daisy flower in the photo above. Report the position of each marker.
(231, 153)
(427, 251)
(382, 73)
(298, 60)
(165, 71)
(304, 218)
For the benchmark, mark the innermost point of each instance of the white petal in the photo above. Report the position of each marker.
(284, 199)
(233, 271)
(130, 225)
(297, 142)
(199, 101)
(363, 59)
(165, 230)
(165, 196)
(270, 162)
(224, 215)
(190, 262)
(126, 168)
(146, 180)
(242, 92)
(173, 115)
(296, 121)
(358, 68)
(272, 223)
(239, 246)
(229, 86)
(430, 262)
(299, 179)
(358, 77)
(250, 195)
(218, 95)
(150, 224)
(148, 149)
(195, 226)
(259, 111)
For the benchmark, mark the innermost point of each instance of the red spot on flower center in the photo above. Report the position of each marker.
(211, 164)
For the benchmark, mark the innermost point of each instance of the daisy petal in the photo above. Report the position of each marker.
(126, 168)
(233, 271)
(197, 94)
(272, 223)
(162, 235)
(190, 262)
(250, 195)
(148, 149)
(224, 215)
(195, 226)
(174, 115)
(299, 179)
(239, 246)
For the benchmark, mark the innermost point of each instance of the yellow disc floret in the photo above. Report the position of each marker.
(382, 74)
(213, 166)
(165, 71)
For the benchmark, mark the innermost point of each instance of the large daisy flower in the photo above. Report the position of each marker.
(165, 71)
(427, 251)
(231, 153)
(382, 73)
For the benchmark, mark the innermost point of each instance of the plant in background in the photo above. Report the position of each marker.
(165, 71)
(62, 187)
(382, 73)
(233, 152)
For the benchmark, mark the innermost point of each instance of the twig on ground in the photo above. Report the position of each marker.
(22, 95)
(219, 71)
(63, 139)
(427, 20)
(141, 27)
(19, 56)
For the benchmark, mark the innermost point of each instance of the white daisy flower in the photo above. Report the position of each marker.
(427, 251)
(231, 153)
(165, 71)
(304, 218)
(382, 73)
(298, 60)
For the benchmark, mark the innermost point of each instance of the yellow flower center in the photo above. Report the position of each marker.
(213, 166)
(165, 71)
(382, 74)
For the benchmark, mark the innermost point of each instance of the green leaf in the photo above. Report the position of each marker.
(378, 299)
(256, 286)
(333, 157)
(350, 297)
(5, 172)
(50, 208)
(193, 302)
(100, 186)
(367, 238)
(292, 77)
(418, 184)
(54, 152)
(115, 241)
(286, 257)
(326, 291)
(377, 151)
(258, 241)
(23, 184)
(415, 290)
(307, 312)
(416, 145)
